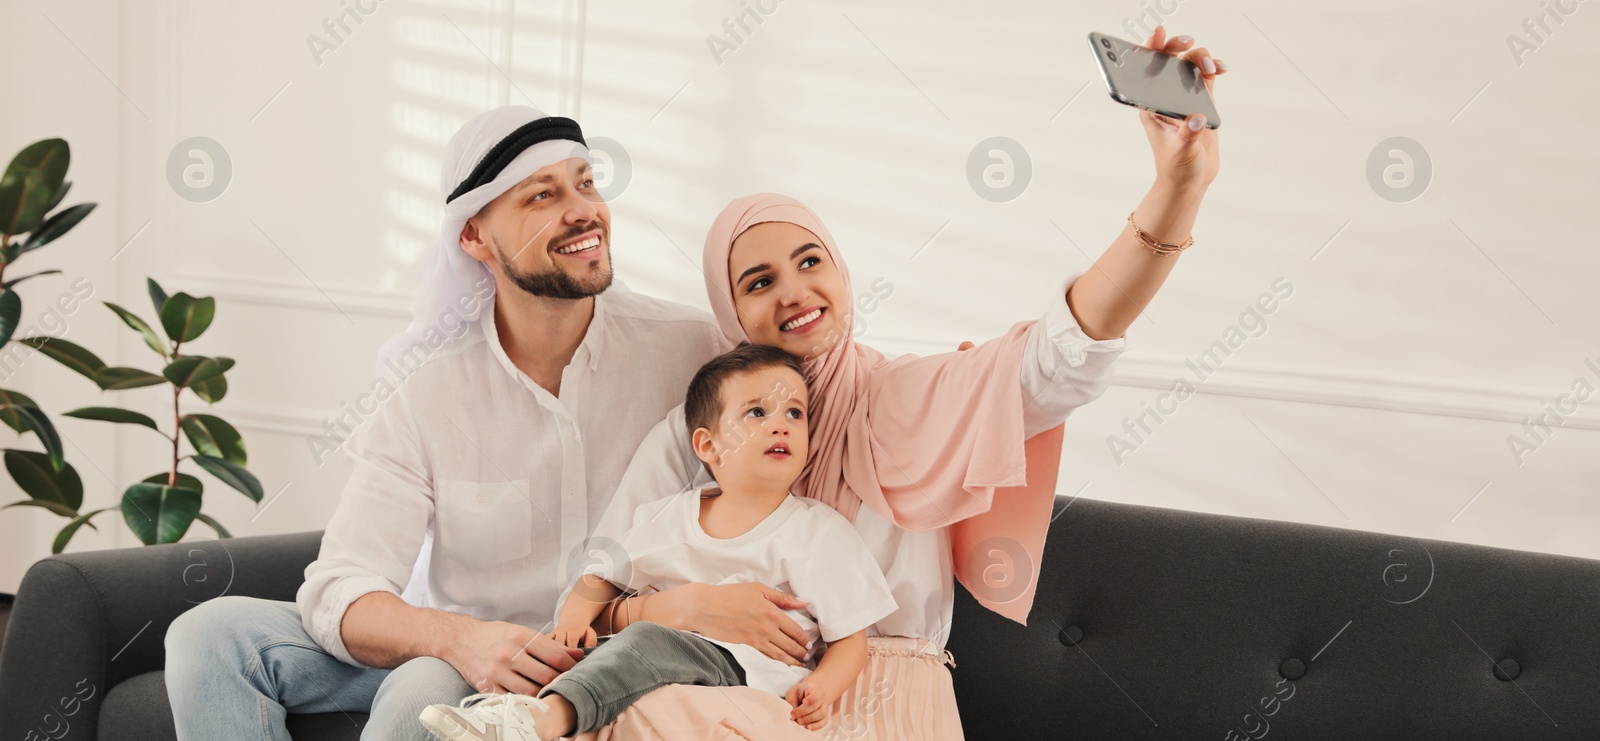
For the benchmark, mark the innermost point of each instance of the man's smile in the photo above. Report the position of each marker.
(580, 245)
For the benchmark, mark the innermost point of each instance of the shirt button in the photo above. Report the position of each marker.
(483, 499)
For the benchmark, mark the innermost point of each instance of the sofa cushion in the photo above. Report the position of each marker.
(137, 710)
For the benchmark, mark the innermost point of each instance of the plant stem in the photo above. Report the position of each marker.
(177, 423)
(177, 426)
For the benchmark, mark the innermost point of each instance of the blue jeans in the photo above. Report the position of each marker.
(237, 666)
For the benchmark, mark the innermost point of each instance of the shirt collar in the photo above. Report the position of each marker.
(591, 346)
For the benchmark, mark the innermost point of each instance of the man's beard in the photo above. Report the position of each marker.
(555, 283)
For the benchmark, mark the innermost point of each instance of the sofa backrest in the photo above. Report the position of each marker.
(1158, 623)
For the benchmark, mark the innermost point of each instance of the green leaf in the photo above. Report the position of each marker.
(185, 481)
(222, 532)
(11, 418)
(71, 529)
(214, 437)
(158, 297)
(35, 420)
(191, 369)
(212, 389)
(54, 227)
(38, 479)
(232, 475)
(30, 183)
(113, 414)
(15, 281)
(56, 199)
(185, 317)
(119, 378)
(67, 354)
(131, 319)
(10, 313)
(159, 514)
(56, 507)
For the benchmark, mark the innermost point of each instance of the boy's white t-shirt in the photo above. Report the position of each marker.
(804, 547)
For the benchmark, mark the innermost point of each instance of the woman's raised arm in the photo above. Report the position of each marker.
(1109, 297)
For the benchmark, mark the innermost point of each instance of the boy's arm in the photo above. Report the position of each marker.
(841, 663)
(588, 599)
(812, 698)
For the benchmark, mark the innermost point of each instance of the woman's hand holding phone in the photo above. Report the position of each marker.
(1185, 152)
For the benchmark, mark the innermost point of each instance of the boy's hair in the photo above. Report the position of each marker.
(703, 406)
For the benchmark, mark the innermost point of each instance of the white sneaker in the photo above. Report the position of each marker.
(485, 717)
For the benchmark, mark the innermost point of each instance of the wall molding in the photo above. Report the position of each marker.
(1313, 386)
(1460, 402)
(1243, 380)
(291, 421)
(1390, 394)
(277, 292)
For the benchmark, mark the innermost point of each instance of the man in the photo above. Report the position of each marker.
(480, 478)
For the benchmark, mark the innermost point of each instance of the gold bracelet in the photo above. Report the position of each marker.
(1159, 248)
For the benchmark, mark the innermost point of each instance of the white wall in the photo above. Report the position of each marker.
(1380, 396)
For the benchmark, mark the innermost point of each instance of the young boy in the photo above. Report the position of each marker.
(746, 413)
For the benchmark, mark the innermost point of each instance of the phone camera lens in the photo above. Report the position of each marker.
(1111, 55)
(1105, 43)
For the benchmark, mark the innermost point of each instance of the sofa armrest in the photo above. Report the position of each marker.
(85, 622)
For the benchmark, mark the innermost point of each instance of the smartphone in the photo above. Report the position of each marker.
(1154, 81)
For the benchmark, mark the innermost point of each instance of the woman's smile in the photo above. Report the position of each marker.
(804, 322)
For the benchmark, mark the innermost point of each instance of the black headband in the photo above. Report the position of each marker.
(545, 129)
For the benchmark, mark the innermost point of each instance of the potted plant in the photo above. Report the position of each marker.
(160, 508)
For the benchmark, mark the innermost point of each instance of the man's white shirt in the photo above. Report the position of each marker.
(493, 480)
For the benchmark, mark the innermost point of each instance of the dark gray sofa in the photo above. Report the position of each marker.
(1149, 623)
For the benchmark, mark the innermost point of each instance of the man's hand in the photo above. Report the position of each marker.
(811, 704)
(751, 614)
(505, 657)
(574, 636)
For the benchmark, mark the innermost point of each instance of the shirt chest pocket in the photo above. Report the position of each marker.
(484, 523)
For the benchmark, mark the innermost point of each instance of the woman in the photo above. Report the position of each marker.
(938, 461)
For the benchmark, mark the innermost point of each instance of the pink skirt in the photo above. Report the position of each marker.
(903, 694)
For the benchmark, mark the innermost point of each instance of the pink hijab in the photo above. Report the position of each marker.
(927, 442)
